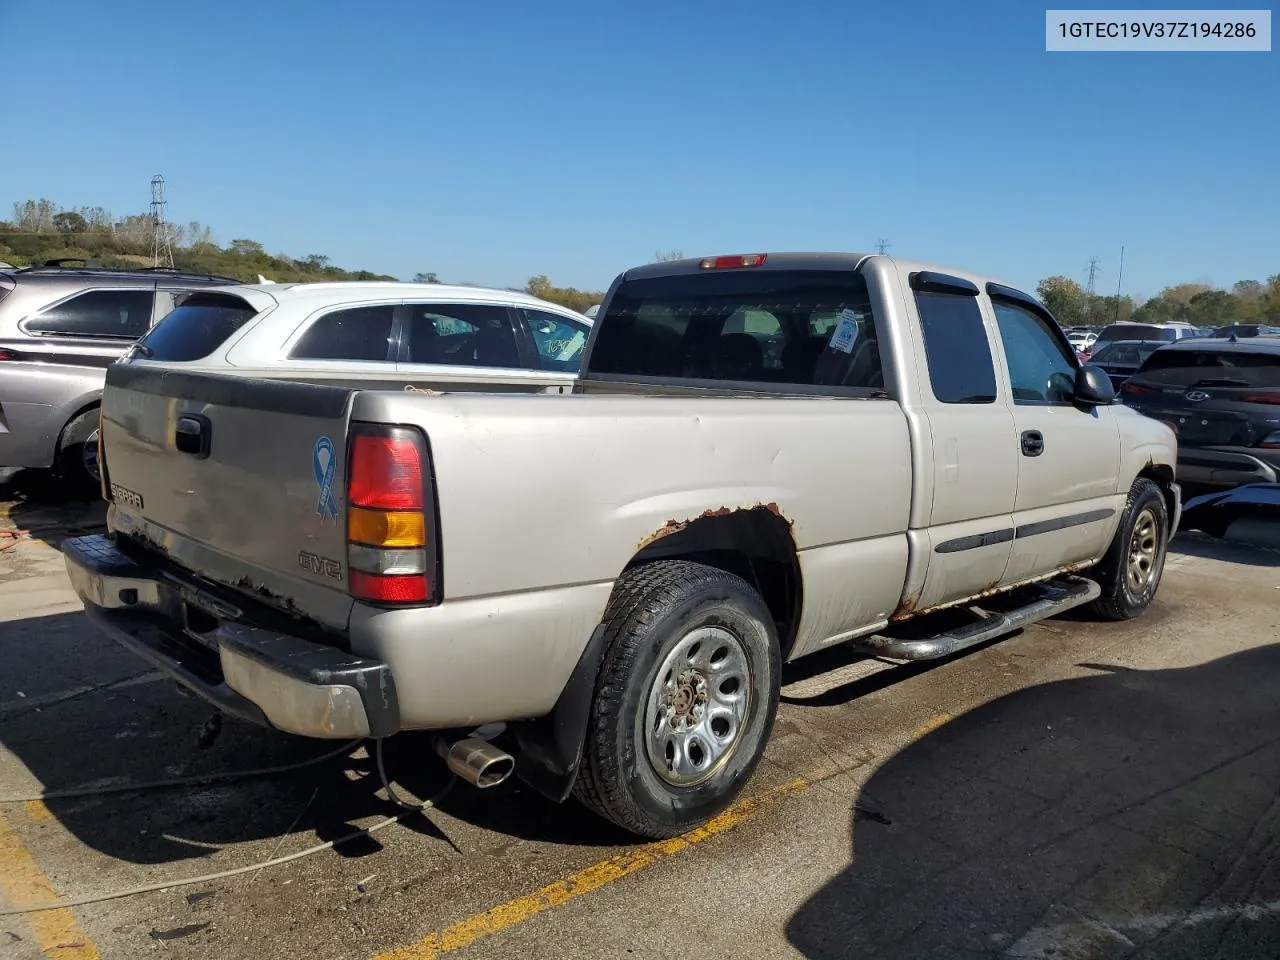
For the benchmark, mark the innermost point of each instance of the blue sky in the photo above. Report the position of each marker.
(490, 142)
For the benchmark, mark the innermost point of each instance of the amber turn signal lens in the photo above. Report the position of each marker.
(386, 528)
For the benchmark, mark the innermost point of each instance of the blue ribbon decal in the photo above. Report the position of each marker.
(324, 464)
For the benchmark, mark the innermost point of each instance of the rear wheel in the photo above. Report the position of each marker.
(685, 699)
(1130, 572)
(78, 454)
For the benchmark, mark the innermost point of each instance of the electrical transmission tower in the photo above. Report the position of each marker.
(882, 245)
(161, 250)
(1088, 290)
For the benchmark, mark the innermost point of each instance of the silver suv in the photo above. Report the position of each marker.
(60, 328)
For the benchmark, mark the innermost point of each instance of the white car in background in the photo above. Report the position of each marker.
(428, 336)
(1082, 343)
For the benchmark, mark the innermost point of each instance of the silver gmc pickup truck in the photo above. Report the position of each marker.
(766, 455)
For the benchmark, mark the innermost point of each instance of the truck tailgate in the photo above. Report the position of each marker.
(239, 481)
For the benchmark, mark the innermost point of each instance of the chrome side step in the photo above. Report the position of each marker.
(1060, 596)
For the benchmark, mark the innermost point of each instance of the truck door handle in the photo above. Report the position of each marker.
(191, 435)
(1032, 443)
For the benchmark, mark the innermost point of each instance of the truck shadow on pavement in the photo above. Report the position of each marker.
(1129, 813)
(76, 710)
(36, 503)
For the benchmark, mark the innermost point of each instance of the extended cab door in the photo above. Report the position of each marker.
(1068, 456)
(966, 470)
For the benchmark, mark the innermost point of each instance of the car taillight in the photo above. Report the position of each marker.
(1135, 389)
(392, 547)
(1270, 397)
(736, 260)
(8, 355)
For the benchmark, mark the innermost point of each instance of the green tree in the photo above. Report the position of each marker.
(1182, 293)
(427, 277)
(1212, 308)
(1112, 309)
(1065, 299)
(247, 248)
(68, 221)
(673, 254)
(1159, 310)
(570, 297)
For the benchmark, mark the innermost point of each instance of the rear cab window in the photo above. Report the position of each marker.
(796, 330)
(194, 329)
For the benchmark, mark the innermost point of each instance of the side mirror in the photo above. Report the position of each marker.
(1093, 387)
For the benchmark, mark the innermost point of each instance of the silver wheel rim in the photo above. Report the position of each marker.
(697, 706)
(89, 456)
(1143, 544)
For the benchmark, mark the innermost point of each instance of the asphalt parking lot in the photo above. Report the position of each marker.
(1077, 790)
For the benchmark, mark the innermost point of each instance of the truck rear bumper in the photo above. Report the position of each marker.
(264, 676)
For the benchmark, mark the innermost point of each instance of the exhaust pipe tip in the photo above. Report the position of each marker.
(477, 761)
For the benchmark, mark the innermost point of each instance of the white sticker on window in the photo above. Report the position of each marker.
(845, 332)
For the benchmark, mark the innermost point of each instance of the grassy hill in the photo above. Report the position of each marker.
(40, 230)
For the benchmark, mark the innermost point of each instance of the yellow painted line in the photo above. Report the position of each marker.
(481, 925)
(22, 883)
(38, 812)
(924, 730)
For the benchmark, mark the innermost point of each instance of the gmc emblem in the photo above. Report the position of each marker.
(320, 566)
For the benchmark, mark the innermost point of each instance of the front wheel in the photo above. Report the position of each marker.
(685, 699)
(1130, 572)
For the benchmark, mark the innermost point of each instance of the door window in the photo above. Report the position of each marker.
(1041, 369)
(462, 334)
(356, 333)
(956, 348)
(112, 314)
(558, 340)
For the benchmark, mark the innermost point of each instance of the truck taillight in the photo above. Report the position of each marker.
(392, 547)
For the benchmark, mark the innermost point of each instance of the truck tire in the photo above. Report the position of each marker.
(685, 699)
(78, 454)
(1130, 572)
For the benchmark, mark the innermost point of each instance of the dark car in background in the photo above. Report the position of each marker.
(1222, 399)
(1122, 358)
(1247, 330)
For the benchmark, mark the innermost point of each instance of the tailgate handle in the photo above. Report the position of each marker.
(191, 435)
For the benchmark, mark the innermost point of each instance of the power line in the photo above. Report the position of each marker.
(161, 251)
(882, 245)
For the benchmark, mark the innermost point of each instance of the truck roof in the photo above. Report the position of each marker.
(814, 261)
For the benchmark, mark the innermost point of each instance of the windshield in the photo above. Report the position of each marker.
(1207, 367)
(1137, 331)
